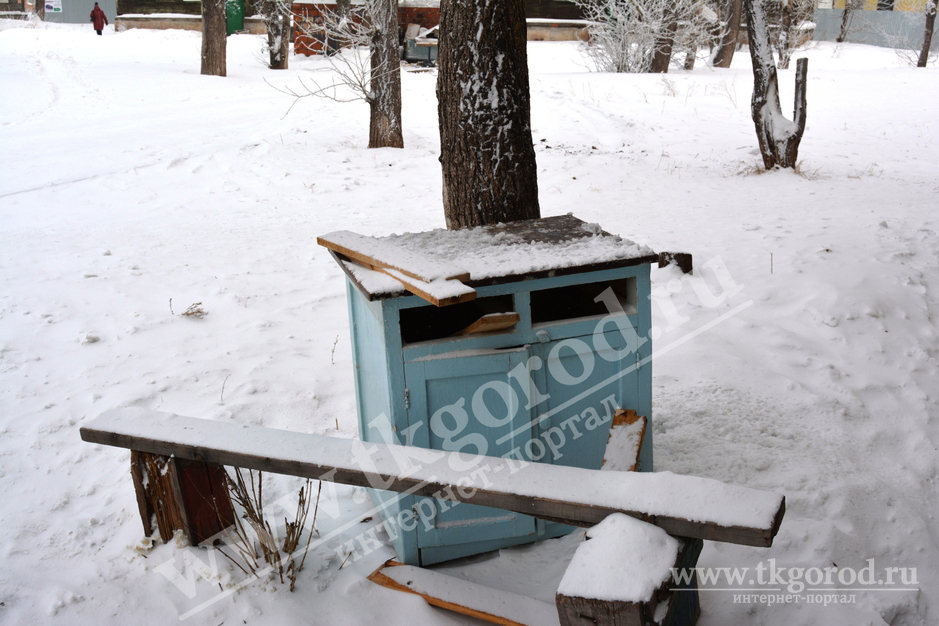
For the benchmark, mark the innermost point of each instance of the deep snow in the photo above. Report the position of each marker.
(132, 187)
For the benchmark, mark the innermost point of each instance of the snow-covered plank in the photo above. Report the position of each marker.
(385, 254)
(686, 506)
(465, 597)
(625, 441)
(438, 292)
(550, 246)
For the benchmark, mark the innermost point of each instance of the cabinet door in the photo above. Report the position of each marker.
(584, 377)
(467, 401)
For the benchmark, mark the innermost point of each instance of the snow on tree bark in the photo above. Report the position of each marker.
(489, 171)
(277, 15)
(778, 137)
(214, 33)
(384, 129)
(927, 34)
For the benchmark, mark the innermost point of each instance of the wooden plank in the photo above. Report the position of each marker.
(491, 605)
(562, 230)
(687, 506)
(624, 443)
(491, 323)
(439, 292)
(380, 253)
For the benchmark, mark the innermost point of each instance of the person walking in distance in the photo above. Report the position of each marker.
(99, 18)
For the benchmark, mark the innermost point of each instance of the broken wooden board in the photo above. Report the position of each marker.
(684, 506)
(625, 441)
(467, 598)
(383, 254)
(438, 292)
(491, 323)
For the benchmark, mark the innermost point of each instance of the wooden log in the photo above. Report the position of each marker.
(182, 495)
(686, 506)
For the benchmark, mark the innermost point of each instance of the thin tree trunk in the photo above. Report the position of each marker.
(664, 41)
(728, 43)
(277, 18)
(849, 7)
(384, 128)
(927, 34)
(214, 33)
(778, 137)
(785, 35)
(489, 172)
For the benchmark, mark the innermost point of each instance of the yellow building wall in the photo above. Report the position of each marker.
(900, 5)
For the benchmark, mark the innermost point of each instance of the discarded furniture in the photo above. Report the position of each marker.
(688, 507)
(572, 345)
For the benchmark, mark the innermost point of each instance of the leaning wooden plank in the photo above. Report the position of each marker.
(686, 506)
(492, 322)
(467, 598)
(385, 254)
(438, 292)
(625, 442)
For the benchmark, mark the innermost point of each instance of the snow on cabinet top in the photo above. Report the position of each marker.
(505, 253)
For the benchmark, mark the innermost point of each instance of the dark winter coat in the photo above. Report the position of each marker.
(99, 18)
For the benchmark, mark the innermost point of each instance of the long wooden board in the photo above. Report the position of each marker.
(439, 292)
(378, 253)
(467, 598)
(686, 506)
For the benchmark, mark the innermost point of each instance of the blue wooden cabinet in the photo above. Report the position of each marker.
(543, 390)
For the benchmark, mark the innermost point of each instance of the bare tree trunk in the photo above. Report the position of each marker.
(728, 43)
(927, 34)
(785, 35)
(489, 172)
(662, 54)
(384, 128)
(778, 137)
(849, 8)
(39, 6)
(214, 33)
(277, 15)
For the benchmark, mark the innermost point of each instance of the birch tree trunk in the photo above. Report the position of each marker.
(785, 35)
(277, 19)
(778, 137)
(384, 128)
(483, 102)
(214, 33)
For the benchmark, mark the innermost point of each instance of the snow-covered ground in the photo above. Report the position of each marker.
(132, 187)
